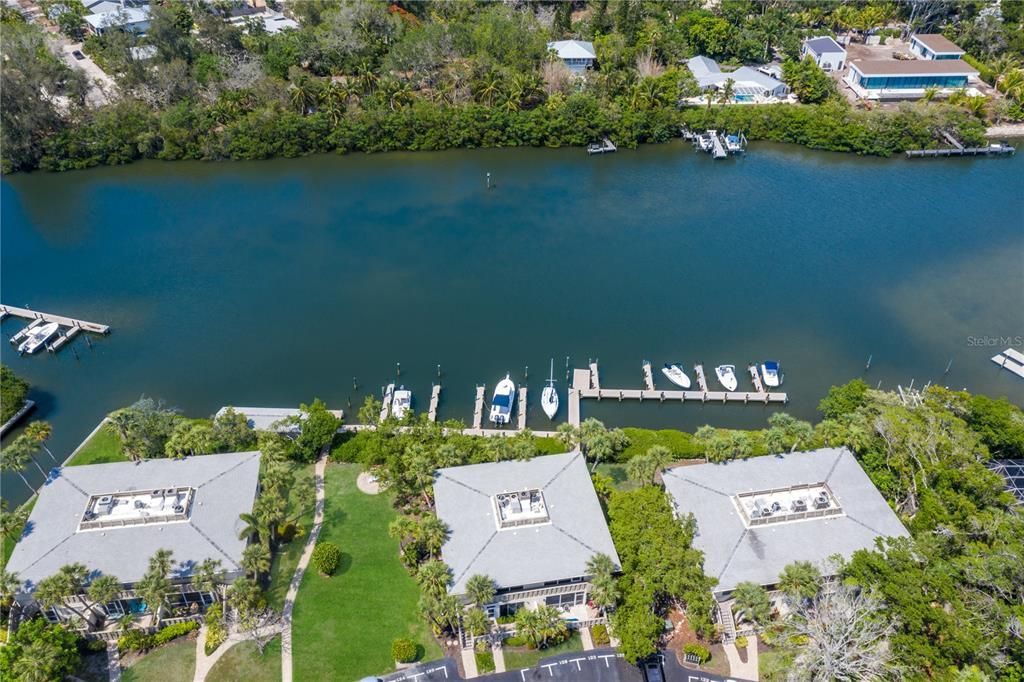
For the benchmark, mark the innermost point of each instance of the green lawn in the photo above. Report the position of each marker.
(517, 659)
(243, 663)
(617, 472)
(174, 661)
(102, 448)
(343, 626)
(287, 557)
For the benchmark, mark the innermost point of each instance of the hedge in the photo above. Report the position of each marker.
(326, 557)
(136, 640)
(701, 652)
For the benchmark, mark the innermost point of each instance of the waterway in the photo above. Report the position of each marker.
(269, 283)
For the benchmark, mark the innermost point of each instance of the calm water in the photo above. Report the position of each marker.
(270, 283)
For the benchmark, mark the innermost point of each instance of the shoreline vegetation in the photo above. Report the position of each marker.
(375, 76)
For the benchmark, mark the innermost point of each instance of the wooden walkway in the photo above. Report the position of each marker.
(478, 408)
(991, 150)
(648, 376)
(595, 378)
(702, 381)
(385, 408)
(435, 398)
(522, 408)
(63, 339)
(755, 377)
(28, 314)
(1011, 360)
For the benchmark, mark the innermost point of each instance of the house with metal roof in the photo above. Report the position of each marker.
(530, 526)
(757, 515)
(826, 53)
(907, 79)
(934, 46)
(748, 85)
(125, 18)
(113, 517)
(578, 55)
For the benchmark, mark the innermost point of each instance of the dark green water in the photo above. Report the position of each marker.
(270, 283)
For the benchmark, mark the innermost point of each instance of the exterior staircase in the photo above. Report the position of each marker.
(728, 626)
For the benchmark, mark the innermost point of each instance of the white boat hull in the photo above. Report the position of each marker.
(38, 338)
(549, 401)
(503, 402)
(771, 380)
(677, 376)
(727, 377)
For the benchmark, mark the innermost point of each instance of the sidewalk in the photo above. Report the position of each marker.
(737, 668)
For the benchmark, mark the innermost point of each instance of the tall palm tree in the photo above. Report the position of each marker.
(40, 432)
(404, 529)
(476, 622)
(660, 456)
(254, 526)
(568, 435)
(103, 590)
(641, 468)
(551, 625)
(16, 459)
(25, 449)
(208, 576)
(488, 87)
(10, 583)
(800, 580)
(434, 576)
(63, 589)
(256, 560)
(480, 589)
(600, 565)
(604, 592)
(728, 91)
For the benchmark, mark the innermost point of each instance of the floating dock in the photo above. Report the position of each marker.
(478, 408)
(755, 378)
(389, 396)
(28, 314)
(435, 398)
(990, 150)
(63, 339)
(604, 147)
(648, 376)
(702, 382)
(1011, 360)
(522, 408)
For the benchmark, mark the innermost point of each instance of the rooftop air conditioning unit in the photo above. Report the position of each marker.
(179, 509)
(799, 505)
(776, 507)
(821, 501)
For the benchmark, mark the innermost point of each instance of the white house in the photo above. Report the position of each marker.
(826, 53)
(934, 46)
(133, 19)
(578, 55)
(907, 79)
(748, 85)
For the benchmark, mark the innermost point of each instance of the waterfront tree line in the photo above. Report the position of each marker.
(368, 75)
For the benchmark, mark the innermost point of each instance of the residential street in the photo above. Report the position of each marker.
(101, 86)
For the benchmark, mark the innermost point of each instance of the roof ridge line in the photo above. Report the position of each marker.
(472, 561)
(861, 523)
(212, 543)
(573, 537)
(70, 481)
(464, 485)
(47, 553)
(732, 554)
(832, 468)
(558, 473)
(253, 453)
(672, 473)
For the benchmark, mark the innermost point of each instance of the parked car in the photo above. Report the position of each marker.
(77, 54)
(653, 672)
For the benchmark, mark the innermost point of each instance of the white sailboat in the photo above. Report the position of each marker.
(770, 371)
(501, 403)
(38, 337)
(676, 375)
(727, 376)
(549, 396)
(401, 403)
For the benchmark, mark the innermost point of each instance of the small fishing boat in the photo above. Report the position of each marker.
(38, 337)
(401, 403)
(549, 396)
(727, 376)
(501, 403)
(770, 372)
(676, 375)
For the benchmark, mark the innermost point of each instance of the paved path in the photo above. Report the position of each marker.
(588, 641)
(469, 663)
(499, 658)
(737, 668)
(113, 661)
(293, 588)
(204, 663)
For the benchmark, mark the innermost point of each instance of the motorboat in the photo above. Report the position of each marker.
(549, 396)
(401, 403)
(770, 372)
(676, 375)
(501, 403)
(727, 376)
(38, 337)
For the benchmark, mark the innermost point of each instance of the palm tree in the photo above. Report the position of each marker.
(480, 589)
(709, 96)
(752, 603)
(775, 439)
(800, 580)
(568, 435)
(63, 589)
(740, 445)
(528, 625)
(246, 597)
(302, 94)
(9, 586)
(254, 526)
(604, 592)
(728, 90)
(977, 105)
(40, 432)
(930, 93)
(549, 625)
(488, 87)
(476, 622)
(256, 560)
(103, 590)
(208, 577)
(641, 468)
(24, 450)
(600, 565)
(38, 662)
(16, 459)
(831, 432)
(434, 576)
(661, 456)
(155, 584)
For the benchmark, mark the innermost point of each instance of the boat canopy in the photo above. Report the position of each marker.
(502, 400)
(771, 365)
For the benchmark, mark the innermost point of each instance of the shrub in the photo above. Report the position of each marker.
(174, 631)
(505, 620)
(286, 531)
(215, 632)
(326, 557)
(485, 661)
(403, 650)
(599, 633)
(133, 640)
(741, 642)
(698, 650)
(137, 640)
(515, 640)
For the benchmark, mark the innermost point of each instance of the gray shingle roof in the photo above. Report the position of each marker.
(225, 487)
(734, 553)
(823, 45)
(527, 554)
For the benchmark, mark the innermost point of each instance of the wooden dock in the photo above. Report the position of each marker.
(389, 395)
(648, 376)
(435, 398)
(755, 377)
(595, 379)
(717, 148)
(702, 382)
(1011, 360)
(478, 408)
(605, 147)
(522, 408)
(990, 150)
(63, 339)
(28, 314)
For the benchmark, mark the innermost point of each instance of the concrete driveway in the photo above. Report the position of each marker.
(101, 86)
